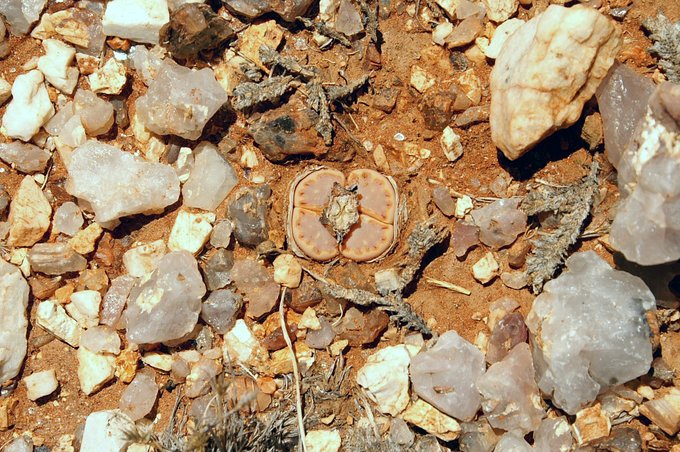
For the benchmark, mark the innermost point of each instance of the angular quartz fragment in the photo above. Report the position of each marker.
(288, 10)
(445, 376)
(444, 201)
(508, 332)
(166, 306)
(385, 378)
(645, 228)
(512, 442)
(101, 339)
(55, 259)
(248, 211)
(622, 99)
(21, 14)
(29, 214)
(95, 113)
(221, 234)
(13, 320)
(56, 65)
(30, 107)
(217, 270)
(212, 179)
(500, 222)
(25, 157)
(116, 184)
(220, 309)
(553, 435)
(180, 101)
(257, 285)
(589, 331)
(546, 71)
(115, 299)
(139, 397)
(511, 399)
(68, 219)
(464, 237)
(321, 338)
(79, 26)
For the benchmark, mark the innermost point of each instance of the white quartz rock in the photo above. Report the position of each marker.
(105, 431)
(21, 14)
(116, 184)
(500, 10)
(166, 306)
(501, 35)
(180, 101)
(30, 107)
(56, 65)
(212, 178)
(101, 339)
(13, 321)
(511, 399)
(553, 435)
(445, 376)
(646, 228)
(109, 79)
(52, 317)
(94, 370)
(241, 345)
(5, 87)
(511, 442)
(96, 114)
(68, 219)
(40, 384)
(589, 331)
(84, 307)
(190, 231)
(137, 20)
(545, 72)
(25, 157)
(385, 378)
(139, 397)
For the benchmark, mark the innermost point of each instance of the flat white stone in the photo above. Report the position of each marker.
(94, 370)
(84, 307)
(56, 65)
(137, 20)
(51, 316)
(105, 431)
(240, 344)
(191, 231)
(143, 258)
(40, 384)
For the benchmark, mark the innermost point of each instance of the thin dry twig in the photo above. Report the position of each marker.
(296, 373)
(448, 285)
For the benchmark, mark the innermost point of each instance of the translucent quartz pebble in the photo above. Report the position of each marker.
(211, 179)
(500, 222)
(25, 157)
(445, 376)
(117, 184)
(220, 309)
(257, 285)
(589, 331)
(622, 100)
(115, 299)
(180, 101)
(68, 219)
(13, 320)
(511, 398)
(166, 306)
(139, 397)
(101, 339)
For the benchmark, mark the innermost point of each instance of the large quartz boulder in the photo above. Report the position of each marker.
(180, 101)
(13, 320)
(589, 331)
(116, 184)
(446, 375)
(646, 228)
(166, 306)
(546, 71)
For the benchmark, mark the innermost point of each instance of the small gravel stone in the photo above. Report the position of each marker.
(321, 338)
(248, 211)
(444, 201)
(55, 259)
(500, 222)
(257, 285)
(25, 157)
(29, 214)
(115, 299)
(507, 333)
(139, 397)
(68, 219)
(212, 179)
(14, 292)
(40, 384)
(217, 270)
(30, 107)
(220, 309)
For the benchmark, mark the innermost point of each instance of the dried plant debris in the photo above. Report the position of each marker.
(271, 57)
(342, 211)
(325, 30)
(227, 425)
(318, 101)
(422, 239)
(250, 94)
(666, 38)
(571, 206)
(370, 20)
(336, 93)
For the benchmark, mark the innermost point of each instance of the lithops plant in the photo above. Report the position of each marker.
(330, 215)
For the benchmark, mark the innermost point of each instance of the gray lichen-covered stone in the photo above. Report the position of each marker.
(116, 184)
(166, 306)
(25, 157)
(180, 101)
(445, 376)
(511, 399)
(13, 321)
(589, 331)
(646, 228)
(248, 211)
(212, 179)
